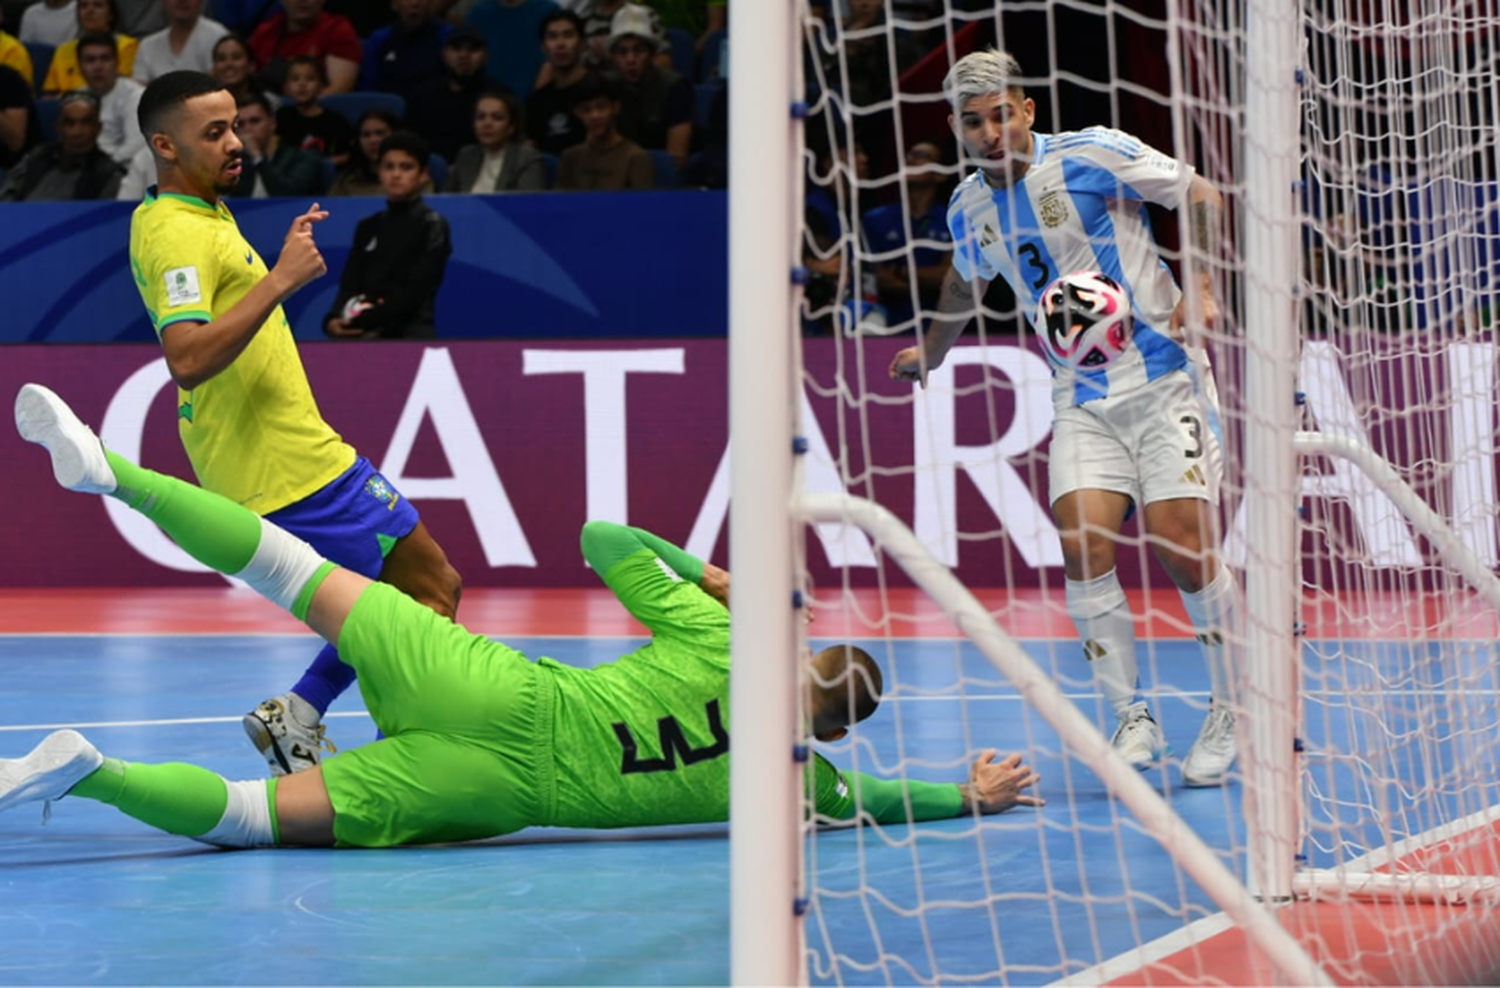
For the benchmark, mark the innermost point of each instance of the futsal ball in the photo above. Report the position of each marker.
(356, 305)
(1085, 319)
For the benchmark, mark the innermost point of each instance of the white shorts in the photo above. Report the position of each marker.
(1158, 443)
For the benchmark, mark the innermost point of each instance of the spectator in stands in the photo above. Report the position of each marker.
(303, 27)
(510, 29)
(50, 22)
(303, 122)
(598, 26)
(187, 42)
(235, 66)
(272, 168)
(139, 18)
(20, 131)
(390, 283)
(926, 209)
(120, 131)
(497, 161)
(94, 16)
(400, 57)
(13, 53)
(442, 111)
(71, 168)
(361, 176)
(657, 105)
(606, 160)
(551, 124)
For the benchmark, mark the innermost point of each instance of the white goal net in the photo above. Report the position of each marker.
(1361, 222)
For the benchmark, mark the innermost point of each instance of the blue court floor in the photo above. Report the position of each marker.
(1023, 898)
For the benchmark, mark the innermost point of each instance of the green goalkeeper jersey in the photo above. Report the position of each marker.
(645, 739)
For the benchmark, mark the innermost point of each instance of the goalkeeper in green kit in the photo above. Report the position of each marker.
(479, 740)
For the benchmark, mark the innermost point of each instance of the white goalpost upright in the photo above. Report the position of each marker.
(1354, 143)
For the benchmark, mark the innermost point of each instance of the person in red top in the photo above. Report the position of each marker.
(303, 27)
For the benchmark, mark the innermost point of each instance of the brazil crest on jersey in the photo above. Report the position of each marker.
(252, 432)
(1080, 207)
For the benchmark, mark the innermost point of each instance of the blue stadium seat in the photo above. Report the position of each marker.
(706, 91)
(711, 61)
(549, 162)
(437, 170)
(330, 173)
(666, 169)
(684, 51)
(47, 111)
(41, 61)
(353, 105)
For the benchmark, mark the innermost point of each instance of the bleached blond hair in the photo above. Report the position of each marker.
(980, 73)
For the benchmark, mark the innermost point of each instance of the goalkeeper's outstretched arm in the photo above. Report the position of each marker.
(993, 787)
(955, 309)
(605, 543)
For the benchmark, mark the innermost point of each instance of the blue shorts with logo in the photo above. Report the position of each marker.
(353, 521)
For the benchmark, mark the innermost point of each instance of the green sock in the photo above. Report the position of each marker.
(180, 799)
(210, 528)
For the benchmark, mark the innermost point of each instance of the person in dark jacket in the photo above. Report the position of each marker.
(498, 161)
(71, 168)
(390, 282)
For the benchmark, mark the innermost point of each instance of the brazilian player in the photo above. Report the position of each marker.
(246, 414)
(479, 740)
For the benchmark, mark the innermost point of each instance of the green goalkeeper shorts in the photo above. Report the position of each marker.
(468, 725)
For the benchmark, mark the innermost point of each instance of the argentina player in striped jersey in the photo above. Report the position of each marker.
(1139, 430)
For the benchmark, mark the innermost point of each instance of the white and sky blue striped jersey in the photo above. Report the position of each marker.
(1080, 207)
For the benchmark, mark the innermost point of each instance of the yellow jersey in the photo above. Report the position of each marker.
(16, 56)
(65, 74)
(253, 432)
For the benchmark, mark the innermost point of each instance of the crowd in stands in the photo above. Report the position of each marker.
(509, 95)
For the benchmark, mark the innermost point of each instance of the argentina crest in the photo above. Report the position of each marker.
(1053, 209)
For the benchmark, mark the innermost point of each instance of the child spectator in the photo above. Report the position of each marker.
(64, 74)
(120, 131)
(50, 22)
(71, 168)
(390, 282)
(235, 66)
(442, 111)
(303, 27)
(305, 123)
(657, 105)
(606, 160)
(551, 124)
(13, 53)
(272, 168)
(400, 57)
(497, 161)
(510, 29)
(187, 42)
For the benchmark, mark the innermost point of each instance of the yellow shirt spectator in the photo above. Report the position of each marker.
(65, 75)
(191, 262)
(14, 55)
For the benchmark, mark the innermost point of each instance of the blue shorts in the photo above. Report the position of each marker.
(353, 521)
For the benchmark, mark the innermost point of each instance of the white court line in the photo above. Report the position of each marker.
(172, 722)
(1194, 934)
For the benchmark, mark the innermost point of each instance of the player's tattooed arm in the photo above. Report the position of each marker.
(955, 309)
(1205, 216)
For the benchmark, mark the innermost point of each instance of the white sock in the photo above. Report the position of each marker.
(247, 817)
(1215, 612)
(1102, 615)
(282, 565)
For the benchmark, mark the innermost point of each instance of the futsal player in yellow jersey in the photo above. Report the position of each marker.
(246, 413)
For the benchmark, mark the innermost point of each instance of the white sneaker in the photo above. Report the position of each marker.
(1138, 739)
(78, 460)
(1208, 761)
(49, 771)
(288, 743)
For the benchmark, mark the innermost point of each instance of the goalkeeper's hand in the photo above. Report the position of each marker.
(995, 787)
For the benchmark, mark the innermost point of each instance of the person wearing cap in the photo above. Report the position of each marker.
(510, 30)
(442, 110)
(597, 25)
(656, 104)
(73, 167)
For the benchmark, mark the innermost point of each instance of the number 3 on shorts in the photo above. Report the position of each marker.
(1195, 433)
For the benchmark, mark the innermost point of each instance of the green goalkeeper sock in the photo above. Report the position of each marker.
(178, 798)
(210, 528)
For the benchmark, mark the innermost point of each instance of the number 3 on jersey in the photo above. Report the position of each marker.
(1036, 268)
